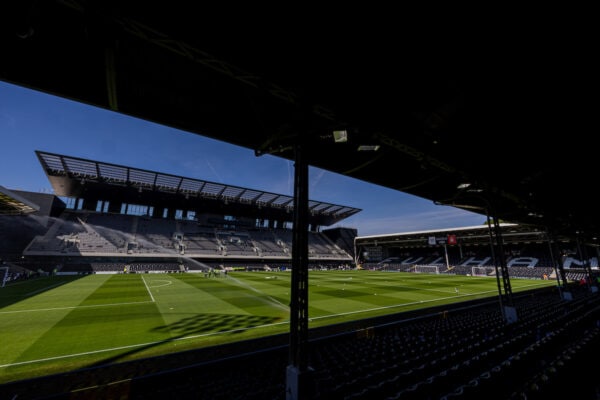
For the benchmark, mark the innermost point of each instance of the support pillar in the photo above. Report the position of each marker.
(299, 384)
(507, 308)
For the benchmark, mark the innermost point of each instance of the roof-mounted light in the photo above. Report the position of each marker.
(368, 147)
(340, 136)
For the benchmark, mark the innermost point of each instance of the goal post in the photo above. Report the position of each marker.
(4, 275)
(426, 269)
(483, 271)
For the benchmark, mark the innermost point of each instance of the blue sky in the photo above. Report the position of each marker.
(31, 120)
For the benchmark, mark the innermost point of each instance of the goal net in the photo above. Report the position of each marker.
(483, 271)
(426, 269)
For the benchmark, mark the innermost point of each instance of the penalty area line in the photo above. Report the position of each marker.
(148, 289)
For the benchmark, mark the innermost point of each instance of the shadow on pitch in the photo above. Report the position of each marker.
(21, 290)
(201, 324)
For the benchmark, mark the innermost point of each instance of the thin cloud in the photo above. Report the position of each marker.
(442, 219)
(314, 182)
(214, 171)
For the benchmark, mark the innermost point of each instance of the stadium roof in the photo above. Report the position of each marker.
(468, 235)
(502, 124)
(428, 231)
(13, 204)
(68, 175)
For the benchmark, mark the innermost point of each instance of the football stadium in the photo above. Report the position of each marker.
(135, 283)
(128, 276)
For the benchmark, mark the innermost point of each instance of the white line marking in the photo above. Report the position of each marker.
(272, 300)
(76, 355)
(43, 289)
(384, 307)
(148, 289)
(168, 282)
(139, 345)
(74, 307)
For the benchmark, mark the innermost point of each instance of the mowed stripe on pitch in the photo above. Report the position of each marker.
(23, 323)
(99, 323)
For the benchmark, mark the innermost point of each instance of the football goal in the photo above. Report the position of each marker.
(426, 269)
(4, 275)
(483, 271)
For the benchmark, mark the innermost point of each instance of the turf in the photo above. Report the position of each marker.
(62, 323)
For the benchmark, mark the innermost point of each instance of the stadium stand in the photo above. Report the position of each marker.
(101, 235)
(527, 253)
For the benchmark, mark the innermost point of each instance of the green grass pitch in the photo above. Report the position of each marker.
(61, 323)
